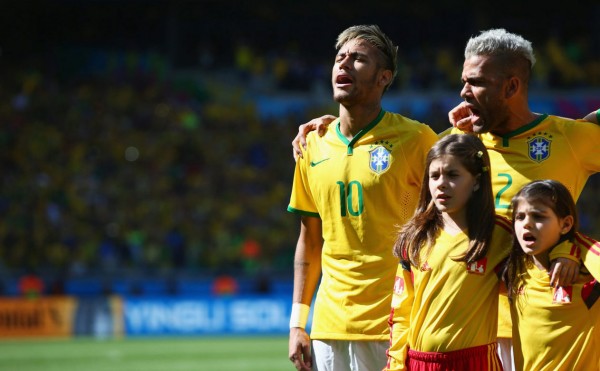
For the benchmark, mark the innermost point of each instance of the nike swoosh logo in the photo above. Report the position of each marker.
(313, 164)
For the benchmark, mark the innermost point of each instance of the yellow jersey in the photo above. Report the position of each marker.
(362, 189)
(445, 305)
(559, 328)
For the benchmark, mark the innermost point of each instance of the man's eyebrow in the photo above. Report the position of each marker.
(471, 78)
(352, 54)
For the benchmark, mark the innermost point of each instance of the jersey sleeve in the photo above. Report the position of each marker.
(584, 141)
(566, 250)
(402, 302)
(590, 253)
(301, 200)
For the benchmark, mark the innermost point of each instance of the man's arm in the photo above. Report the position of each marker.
(307, 271)
(593, 117)
(565, 264)
(320, 124)
(590, 253)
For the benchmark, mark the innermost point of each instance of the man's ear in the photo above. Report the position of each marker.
(385, 78)
(513, 85)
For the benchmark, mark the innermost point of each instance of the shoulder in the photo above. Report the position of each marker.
(408, 126)
(588, 242)
(560, 121)
(396, 118)
(331, 129)
(502, 224)
(580, 133)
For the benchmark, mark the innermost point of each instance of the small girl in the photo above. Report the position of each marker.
(554, 328)
(445, 302)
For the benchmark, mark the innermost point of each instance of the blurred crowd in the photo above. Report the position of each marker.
(106, 174)
(561, 64)
(115, 162)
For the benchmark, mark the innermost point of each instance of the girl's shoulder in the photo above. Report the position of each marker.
(501, 222)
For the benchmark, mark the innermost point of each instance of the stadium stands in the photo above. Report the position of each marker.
(137, 171)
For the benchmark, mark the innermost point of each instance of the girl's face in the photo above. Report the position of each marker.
(451, 185)
(538, 228)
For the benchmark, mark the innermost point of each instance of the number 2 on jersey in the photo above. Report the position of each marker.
(509, 182)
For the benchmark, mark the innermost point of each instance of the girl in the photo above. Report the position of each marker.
(554, 328)
(445, 303)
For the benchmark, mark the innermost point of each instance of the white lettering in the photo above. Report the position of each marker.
(210, 316)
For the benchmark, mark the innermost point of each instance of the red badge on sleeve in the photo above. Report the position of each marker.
(478, 267)
(562, 295)
(399, 286)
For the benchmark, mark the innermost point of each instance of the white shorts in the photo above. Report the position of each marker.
(505, 351)
(343, 355)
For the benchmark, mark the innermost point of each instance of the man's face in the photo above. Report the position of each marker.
(356, 75)
(483, 91)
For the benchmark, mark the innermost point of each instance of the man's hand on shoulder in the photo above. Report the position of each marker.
(320, 124)
(563, 272)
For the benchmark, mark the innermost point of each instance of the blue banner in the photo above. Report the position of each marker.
(182, 316)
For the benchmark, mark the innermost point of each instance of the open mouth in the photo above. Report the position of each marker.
(475, 113)
(343, 80)
(443, 198)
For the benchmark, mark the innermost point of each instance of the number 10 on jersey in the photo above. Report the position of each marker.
(351, 198)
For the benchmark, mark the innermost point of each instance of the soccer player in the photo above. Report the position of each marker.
(352, 187)
(452, 253)
(554, 328)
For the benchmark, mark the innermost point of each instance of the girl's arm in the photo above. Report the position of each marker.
(402, 302)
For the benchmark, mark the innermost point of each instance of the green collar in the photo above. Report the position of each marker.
(522, 129)
(363, 131)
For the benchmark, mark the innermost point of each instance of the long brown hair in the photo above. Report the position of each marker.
(558, 198)
(425, 225)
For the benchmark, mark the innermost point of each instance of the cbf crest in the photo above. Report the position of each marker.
(379, 159)
(539, 148)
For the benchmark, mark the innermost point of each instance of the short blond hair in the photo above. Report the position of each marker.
(510, 47)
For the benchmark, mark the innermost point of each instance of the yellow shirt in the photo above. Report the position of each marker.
(550, 147)
(362, 190)
(447, 305)
(559, 329)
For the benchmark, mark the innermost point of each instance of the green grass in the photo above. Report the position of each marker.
(152, 354)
